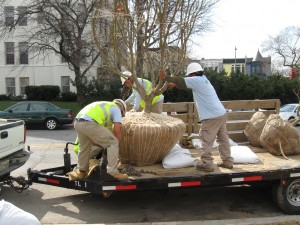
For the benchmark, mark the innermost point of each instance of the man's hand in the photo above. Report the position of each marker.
(171, 85)
(162, 74)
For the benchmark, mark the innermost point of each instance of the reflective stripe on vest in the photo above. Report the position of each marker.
(76, 146)
(148, 90)
(99, 111)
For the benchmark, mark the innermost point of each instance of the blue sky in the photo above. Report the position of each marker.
(245, 24)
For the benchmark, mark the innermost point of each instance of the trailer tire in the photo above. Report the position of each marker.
(274, 193)
(288, 196)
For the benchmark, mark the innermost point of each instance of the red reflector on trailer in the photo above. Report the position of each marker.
(48, 180)
(185, 184)
(190, 183)
(53, 181)
(119, 187)
(253, 178)
(245, 179)
(128, 187)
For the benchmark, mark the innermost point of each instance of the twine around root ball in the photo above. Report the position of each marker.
(131, 171)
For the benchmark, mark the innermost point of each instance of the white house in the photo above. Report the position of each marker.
(19, 68)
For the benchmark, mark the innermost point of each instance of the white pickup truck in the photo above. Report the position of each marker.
(12, 151)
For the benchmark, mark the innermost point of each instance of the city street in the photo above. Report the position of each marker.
(57, 205)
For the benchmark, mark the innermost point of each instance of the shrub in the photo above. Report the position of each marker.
(4, 97)
(43, 92)
(69, 96)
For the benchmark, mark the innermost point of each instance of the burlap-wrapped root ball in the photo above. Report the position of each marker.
(275, 131)
(148, 137)
(254, 128)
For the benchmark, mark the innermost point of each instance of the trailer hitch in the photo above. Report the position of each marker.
(19, 184)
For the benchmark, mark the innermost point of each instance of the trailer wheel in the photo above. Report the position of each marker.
(288, 196)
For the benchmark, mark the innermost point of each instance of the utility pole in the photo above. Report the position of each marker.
(235, 58)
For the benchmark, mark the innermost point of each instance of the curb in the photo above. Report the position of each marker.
(278, 220)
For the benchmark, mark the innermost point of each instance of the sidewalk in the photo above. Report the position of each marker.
(280, 220)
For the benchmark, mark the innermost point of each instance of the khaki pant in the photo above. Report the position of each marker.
(210, 129)
(91, 132)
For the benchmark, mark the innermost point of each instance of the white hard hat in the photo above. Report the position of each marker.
(192, 68)
(127, 73)
(122, 104)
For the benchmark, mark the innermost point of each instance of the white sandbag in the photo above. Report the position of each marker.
(12, 215)
(243, 155)
(178, 158)
(197, 143)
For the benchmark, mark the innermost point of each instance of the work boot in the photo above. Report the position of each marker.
(93, 164)
(201, 167)
(120, 176)
(77, 175)
(225, 165)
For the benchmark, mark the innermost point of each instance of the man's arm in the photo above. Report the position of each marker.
(117, 131)
(130, 99)
(178, 81)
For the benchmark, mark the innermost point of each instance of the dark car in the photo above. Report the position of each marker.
(39, 113)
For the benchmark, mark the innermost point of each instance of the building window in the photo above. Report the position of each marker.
(10, 86)
(10, 53)
(65, 84)
(22, 10)
(24, 82)
(23, 48)
(9, 15)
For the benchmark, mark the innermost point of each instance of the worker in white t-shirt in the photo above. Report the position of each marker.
(212, 115)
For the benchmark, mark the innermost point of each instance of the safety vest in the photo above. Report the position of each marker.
(76, 146)
(148, 90)
(98, 111)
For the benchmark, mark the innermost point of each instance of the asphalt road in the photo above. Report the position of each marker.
(53, 205)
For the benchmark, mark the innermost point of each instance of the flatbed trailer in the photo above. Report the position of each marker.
(280, 172)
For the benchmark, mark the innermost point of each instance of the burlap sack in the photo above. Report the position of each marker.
(254, 128)
(275, 131)
(148, 137)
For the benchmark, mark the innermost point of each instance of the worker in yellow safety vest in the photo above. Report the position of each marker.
(135, 98)
(99, 123)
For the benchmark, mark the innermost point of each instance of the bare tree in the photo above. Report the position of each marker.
(59, 26)
(285, 45)
(145, 36)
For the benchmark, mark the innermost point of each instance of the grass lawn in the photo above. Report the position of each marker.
(67, 105)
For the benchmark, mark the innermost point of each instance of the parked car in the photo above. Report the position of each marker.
(38, 113)
(289, 111)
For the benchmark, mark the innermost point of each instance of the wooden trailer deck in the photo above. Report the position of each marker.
(239, 113)
(267, 162)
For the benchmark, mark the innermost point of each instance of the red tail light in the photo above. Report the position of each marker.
(69, 115)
